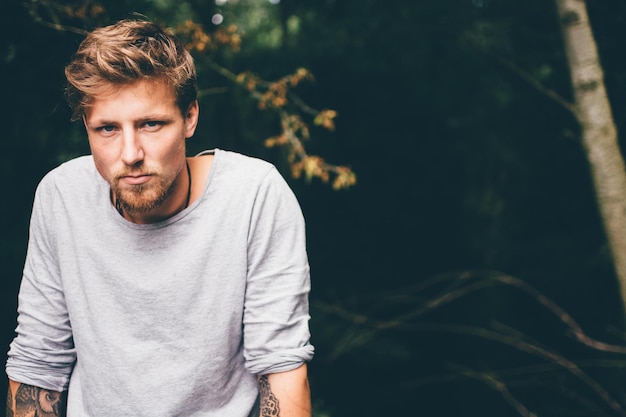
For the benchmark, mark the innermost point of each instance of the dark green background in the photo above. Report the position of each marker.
(461, 164)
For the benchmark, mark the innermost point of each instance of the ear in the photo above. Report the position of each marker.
(191, 119)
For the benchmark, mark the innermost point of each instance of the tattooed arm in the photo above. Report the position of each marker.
(285, 394)
(25, 401)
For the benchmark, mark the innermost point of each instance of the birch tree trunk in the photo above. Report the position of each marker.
(599, 134)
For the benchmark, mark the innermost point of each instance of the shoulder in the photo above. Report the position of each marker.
(235, 162)
(246, 179)
(241, 172)
(74, 169)
(70, 177)
(65, 192)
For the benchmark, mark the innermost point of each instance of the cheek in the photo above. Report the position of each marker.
(171, 153)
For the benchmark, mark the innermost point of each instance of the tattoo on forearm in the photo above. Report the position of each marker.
(9, 403)
(37, 402)
(269, 402)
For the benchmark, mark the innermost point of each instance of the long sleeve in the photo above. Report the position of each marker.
(276, 311)
(42, 354)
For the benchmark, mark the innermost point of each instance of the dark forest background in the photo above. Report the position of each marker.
(473, 197)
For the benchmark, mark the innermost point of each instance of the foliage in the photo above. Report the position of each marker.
(270, 95)
(276, 95)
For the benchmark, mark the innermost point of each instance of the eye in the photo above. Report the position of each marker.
(153, 125)
(106, 130)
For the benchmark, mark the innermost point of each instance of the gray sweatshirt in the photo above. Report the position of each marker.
(168, 319)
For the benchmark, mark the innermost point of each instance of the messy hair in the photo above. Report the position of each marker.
(124, 53)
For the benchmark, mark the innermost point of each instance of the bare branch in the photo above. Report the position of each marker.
(566, 318)
(59, 27)
(498, 385)
(37, 17)
(212, 91)
(536, 84)
(513, 339)
(529, 348)
(527, 77)
(465, 289)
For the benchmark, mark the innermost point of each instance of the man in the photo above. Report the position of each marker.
(157, 284)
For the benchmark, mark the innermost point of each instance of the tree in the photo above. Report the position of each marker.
(599, 134)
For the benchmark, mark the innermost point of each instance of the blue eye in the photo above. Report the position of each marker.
(153, 125)
(106, 130)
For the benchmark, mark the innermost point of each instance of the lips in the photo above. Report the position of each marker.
(135, 179)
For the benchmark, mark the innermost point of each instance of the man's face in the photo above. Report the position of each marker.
(137, 138)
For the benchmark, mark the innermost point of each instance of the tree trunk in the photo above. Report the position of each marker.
(599, 134)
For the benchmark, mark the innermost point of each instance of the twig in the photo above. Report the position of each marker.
(569, 321)
(528, 78)
(499, 386)
(524, 346)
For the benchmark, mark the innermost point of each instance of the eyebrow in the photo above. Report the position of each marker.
(150, 117)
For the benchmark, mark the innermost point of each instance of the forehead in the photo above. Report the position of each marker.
(132, 100)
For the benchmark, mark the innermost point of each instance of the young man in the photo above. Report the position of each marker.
(156, 284)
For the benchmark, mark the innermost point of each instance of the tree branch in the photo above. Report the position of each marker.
(528, 78)
(498, 385)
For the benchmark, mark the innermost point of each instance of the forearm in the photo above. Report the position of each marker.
(26, 400)
(285, 394)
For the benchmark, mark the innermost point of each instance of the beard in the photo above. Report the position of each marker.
(143, 198)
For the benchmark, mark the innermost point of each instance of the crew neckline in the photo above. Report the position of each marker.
(178, 216)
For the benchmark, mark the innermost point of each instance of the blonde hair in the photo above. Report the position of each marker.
(124, 53)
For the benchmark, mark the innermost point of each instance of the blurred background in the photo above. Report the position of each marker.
(466, 272)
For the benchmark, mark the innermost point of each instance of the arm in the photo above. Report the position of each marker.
(276, 308)
(30, 400)
(285, 394)
(42, 352)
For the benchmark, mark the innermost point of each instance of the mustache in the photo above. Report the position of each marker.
(132, 173)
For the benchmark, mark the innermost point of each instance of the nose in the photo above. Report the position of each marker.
(132, 150)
